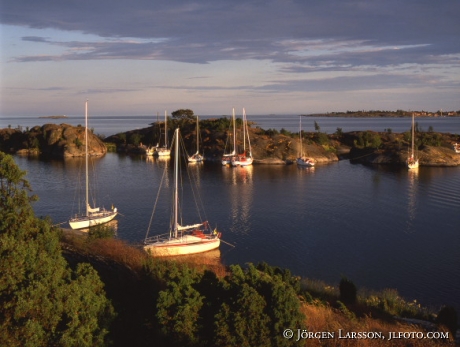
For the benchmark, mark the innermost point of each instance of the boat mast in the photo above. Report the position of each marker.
(176, 184)
(413, 133)
(300, 134)
(197, 135)
(244, 131)
(234, 133)
(166, 131)
(86, 158)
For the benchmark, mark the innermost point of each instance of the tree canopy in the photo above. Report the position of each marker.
(42, 301)
(183, 114)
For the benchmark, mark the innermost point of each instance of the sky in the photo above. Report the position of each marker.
(140, 57)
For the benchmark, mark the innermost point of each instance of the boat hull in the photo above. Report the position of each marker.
(412, 164)
(246, 161)
(306, 162)
(93, 220)
(182, 246)
(162, 152)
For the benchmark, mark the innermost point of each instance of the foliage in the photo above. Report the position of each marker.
(248, 307)
(43, 302)
(368, 139)
(322, 138)
(183, 113)
(135, 139)
(317, 127)
(101, 231)
(447, 316)
(348, 291)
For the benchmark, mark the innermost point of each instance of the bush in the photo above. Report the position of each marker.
(348, 291)
(447, 316)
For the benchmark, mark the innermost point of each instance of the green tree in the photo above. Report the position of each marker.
(348, 291)
(183, 113)
(135, 139)
(178, 309)
(42, 301)
(317, 127)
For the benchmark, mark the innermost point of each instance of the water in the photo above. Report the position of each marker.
(107, 126)
(382, 227)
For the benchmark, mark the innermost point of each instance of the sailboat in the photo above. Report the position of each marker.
(197, 157)
(227, 158)
(96, 215)
(412, 161)
(163, 151)
(149, 151)
(244, 159)
(182, 239)
(303, 160)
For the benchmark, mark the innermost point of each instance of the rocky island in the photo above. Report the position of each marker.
(52, 140)
(268, 146)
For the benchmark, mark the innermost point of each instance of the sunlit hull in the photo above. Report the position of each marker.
(305, 162)
(242, 161)
(187, 244)
(162, 152)
(94, 219)
(196, 158)
(412, 164)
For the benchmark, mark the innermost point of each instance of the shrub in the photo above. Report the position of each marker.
(348, 291)
(447, 316)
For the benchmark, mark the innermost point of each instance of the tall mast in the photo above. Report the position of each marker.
(176, 182)
(413, 133)
(300, 134)
(234, 132)
(86, 158)
(166, 131)
(244, 131)
(197, 135)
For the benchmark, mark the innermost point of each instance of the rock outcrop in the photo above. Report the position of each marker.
(54, 140)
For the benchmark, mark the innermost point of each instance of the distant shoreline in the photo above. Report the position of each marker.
(55, 117)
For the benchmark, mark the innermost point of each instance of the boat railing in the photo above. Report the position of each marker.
(157, 238)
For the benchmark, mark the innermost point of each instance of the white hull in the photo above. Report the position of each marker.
(305, 162)
(150, 151)
(246, 161)
(456, 147)
(196, 158)
(187, 244)
(227, 159)
(94, 219)
(162, 152)
(412, 164)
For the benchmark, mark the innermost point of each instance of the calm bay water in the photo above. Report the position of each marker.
(381, 227)
(110, 125)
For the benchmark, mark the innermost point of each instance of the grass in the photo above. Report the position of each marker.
(372, 312)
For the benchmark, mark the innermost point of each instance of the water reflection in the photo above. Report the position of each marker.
(240, 196)
(412, 202)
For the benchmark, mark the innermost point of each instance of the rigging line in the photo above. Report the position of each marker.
(194, 187)
(156, 200)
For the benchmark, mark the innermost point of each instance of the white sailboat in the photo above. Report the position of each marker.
(227, 158)
(150, 151)
(412, 161)
(96, 215)
(303, 160)
(197, 157)
(182, 239)
(163, 151)
(244, 159)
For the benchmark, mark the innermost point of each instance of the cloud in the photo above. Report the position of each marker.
(200, 32)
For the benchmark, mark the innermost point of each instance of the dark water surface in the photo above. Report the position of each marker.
(382, 227)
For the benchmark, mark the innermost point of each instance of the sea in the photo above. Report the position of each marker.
(380, 226)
